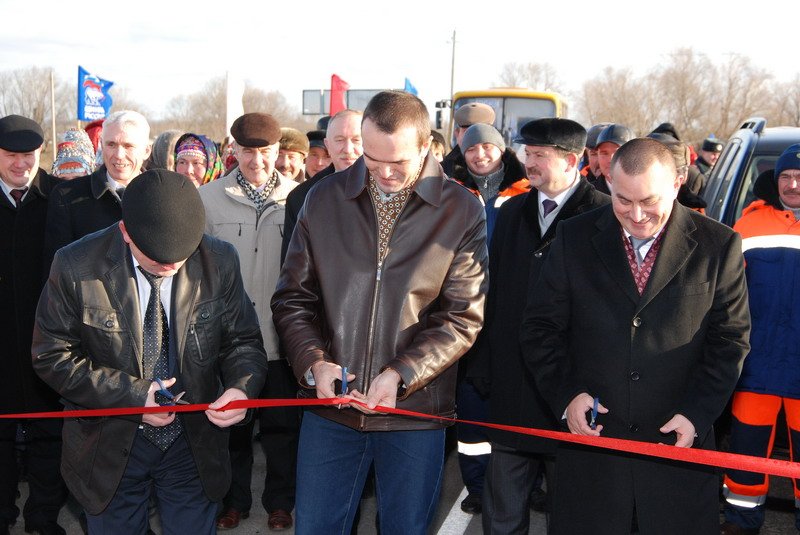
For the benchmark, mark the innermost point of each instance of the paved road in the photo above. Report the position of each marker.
(450, 520)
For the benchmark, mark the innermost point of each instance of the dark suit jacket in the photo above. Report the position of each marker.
(87, 345)
(79, 207)
(678, 348)
(516, 256)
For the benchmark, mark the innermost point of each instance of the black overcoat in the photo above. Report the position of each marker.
(676, 349)
(21, 246)
(79, 207)
(516, 256)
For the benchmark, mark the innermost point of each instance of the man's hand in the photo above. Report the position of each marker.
(576, 415)
(382, 391)
(325, 373)
(229, 417)
(162, 418)
(682, 427)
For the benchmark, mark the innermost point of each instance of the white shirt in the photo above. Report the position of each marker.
(560, 199)
(7, 190)
(113, 185)
(144, 291)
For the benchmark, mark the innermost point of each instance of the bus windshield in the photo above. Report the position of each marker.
(511, 113)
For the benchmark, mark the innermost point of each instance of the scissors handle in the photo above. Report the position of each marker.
(344, 380)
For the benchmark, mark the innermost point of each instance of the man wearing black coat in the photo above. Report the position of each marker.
(521, 242)
(640, 318)
(87, 204)
(23, 210)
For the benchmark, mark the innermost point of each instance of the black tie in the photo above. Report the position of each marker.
(17, 195)
(548, 206)
(155, 358)
(120, 192)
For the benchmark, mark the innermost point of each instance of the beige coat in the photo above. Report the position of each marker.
(231, 216)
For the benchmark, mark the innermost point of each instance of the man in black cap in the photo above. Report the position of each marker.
(149, 299)
(464, 117)
(526, 223)
(318, 157)
(591, 168)
(610, 139)
(87, 204)
(709, 154)
(23, 211)
(246, 209)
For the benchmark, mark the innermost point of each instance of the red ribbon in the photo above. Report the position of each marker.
(718, 459)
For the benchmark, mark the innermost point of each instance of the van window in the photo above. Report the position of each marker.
(760, 163)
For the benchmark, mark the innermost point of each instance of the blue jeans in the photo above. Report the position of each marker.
(332, 465)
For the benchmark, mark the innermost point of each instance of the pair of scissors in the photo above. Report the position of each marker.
(172, 399)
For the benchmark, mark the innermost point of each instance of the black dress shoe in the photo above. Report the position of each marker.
(47, 528)
(472, 504)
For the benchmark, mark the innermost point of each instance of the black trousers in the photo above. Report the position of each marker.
(280, 430)
(42, 457)
(172, 476)
(510, 478)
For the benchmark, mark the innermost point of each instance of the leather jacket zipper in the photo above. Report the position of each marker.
(193, 332)
(376, 291)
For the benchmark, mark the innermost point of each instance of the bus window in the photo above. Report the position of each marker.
(519, 111)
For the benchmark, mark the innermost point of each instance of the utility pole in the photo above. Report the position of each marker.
(453, 66)
(53, 111)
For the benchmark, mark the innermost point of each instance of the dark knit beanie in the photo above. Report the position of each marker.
(789, 159)
(164, 215)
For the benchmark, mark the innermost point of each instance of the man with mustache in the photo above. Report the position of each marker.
(769, 380)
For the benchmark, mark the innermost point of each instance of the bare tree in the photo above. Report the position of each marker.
(202, 112)
(539, 76)
(785, 109)
(26, 92)
(619, 97)
(741, 91)
(685, 87)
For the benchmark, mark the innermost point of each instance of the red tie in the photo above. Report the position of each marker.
(17, 194)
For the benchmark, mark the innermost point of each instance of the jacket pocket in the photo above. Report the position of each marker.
(103, 330)
(205, 329)
(690, 289)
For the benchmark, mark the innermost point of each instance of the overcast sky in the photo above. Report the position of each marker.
(157, 50)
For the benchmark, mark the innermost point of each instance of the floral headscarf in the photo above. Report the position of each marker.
(193, 142)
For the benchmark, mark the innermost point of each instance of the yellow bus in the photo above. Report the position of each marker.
(513, 107)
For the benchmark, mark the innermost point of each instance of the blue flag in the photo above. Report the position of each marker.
(94, 102)
(409, 88)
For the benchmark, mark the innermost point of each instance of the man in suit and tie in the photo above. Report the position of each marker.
(525, 227)
(641, 305)
(149, 298)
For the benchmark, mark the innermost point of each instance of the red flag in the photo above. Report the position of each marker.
(338, 89)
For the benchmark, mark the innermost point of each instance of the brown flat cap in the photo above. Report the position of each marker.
(294, 140)
(256, 130)
(474, 113)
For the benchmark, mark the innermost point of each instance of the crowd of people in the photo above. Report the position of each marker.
(574, 284)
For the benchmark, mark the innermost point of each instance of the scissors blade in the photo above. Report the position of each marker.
(177, 399)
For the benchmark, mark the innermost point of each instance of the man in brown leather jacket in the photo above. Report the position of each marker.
(385, 275)
(102, 338)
